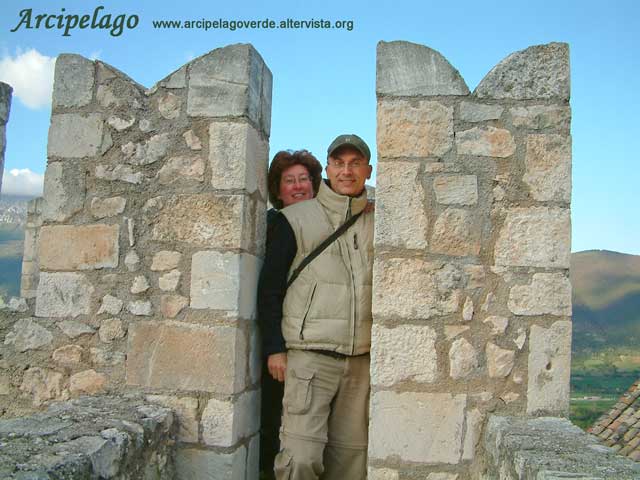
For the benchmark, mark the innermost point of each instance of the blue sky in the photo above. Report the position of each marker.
(324, 80)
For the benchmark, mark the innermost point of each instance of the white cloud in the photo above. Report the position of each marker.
(22, 182)
(95, 55)
(31, 75)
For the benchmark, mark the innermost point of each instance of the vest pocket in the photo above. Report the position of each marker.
(307, 307)
(298, 392)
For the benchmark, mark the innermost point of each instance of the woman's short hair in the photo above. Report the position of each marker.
(285, 159)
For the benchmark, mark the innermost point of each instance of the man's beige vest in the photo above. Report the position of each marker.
(328, 307)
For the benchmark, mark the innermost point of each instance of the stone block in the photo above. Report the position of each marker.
(107, 207)
(132, 261)
(417, 427)
(456, 189)
(401, 219)
(472, 434)
(498, 324)
(499, 361)
(64, 191)
(382, 474)
(5, 101)
(486, 142)
(404, 353)
(535, 237)
(169, 281)
(73, 81)
(218, 99)
(225, 281)
(186, 409)
(427, 289)
(141, 308)
(408, 69)
(152, 150)
(452, 331)
(63, 295)
(120, 123)
(417, 128)
(548, 167)
(192, 140)
(111, 329)
(140, 285)
(75, 135)
(179, 356)
(456, 232)
(225, 423)
(193, 464)
(74, 329)
(183, 170)
(122, 173)
(467, 310)
(547, 294)
(539, 117)
(442, 476)
(83, 247)
(42, 384)
(463, 359)
(478, 112)
(27, 334)
(172, 305)
(68, 355)
(102, 357)
(169, 106)
(165, 260)
(549, 369)
(177, 79)
(88, 382)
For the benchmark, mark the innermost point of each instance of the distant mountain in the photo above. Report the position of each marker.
(13, 211)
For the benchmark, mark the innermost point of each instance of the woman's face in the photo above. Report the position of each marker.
(295, 185)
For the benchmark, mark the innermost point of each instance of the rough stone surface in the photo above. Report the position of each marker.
(455, 233)
(119, 123)
(148, 152)
(186, 410)
(192, 140)
(539, 117)
(140, 308)
(86, 247)
(5, 101)
(193, 464)
(463, 359)
(87, 382)
(101, 357)
(382, 474)
(498, 324)
(408, 69)
(111, 329)
(68, 355)
(169, 106)
(132, 261)
(472, 433)
(417, 427)
(172, 305)
(75, 135)
(418, 128)
(75, 329)
(165, 260)
(452, 331)
(181, 169)
(549, 369)
(456, 189)
(17, 304)
(42, 384)
(27, 334)
(123, 173)
(169, 281)
(404, 353)
(499, 361)
(107, 207)
(548, 293)
(548, 167)
(73, 81)
(63, 295)
(486, 142)
(64, 191)
(478, 112)
(140, 284)
(111, 305)
(535, 237)
(467, 310)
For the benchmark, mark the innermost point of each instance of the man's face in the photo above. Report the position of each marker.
(347, 171)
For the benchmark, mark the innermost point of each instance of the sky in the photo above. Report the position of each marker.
(324, 79)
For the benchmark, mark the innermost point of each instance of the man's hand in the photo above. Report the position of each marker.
(277, 364)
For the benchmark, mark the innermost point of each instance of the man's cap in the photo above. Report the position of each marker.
(350, 140)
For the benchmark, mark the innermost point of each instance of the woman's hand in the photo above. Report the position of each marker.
(277, 364)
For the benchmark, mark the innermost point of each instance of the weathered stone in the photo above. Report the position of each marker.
(177, 79)
(169, 281)
(28, 335)
(401, 219)
(181, 169)
(225, 281)
(111, 329)
(549, 369)
(181, 356)
(192, 140)
(165, 260)
(132, 261)
(521, 338)
(408, 69)
(442, 476)
(194, 464)
(535, 237)
(102, 357)
(478, 112)
(87, 382)
(75, 135)
(148, 152)
(255, 355)
(427, 289)
(548, 293)
(5, 102)
(139, 307)
(169, 106)
(42, 384)
(172, 305)
(472, 433)
(510, 397)
(539, 117)
(140, 284)
(452, 331)
(486, 142)
(382, 474)
(18, 304)
(418, 128)
(73, 81)
(123, 173)
(186, 409)
(498, 324)
(456, 189)
(120, 123)
(82, 247)
(499, 361)
(63, 295)
(416, 426)
(110, 305)
(456, 233)
(463, 359)
(64, 191)
(404, 353)
(548, 167)
(107, 207)
(68, 355)
(467, 310)
(75, 329)
(217, 423)
(538, 72)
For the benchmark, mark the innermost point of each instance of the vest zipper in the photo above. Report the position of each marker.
(306, 311)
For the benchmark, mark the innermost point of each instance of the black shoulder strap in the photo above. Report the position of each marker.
(320, 248)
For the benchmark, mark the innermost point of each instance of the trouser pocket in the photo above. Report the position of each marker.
(282, 465)
(298, 391)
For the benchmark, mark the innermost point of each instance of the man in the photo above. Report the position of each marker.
(317, 333)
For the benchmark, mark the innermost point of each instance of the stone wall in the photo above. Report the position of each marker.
(472, 300)
(5, 107)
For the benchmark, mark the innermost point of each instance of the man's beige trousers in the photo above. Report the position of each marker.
(325, 418)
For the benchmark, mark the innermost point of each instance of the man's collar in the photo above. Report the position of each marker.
(340, 203)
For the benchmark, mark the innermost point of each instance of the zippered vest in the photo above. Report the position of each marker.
(328, 307)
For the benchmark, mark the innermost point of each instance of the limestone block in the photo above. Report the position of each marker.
(467, 310)
(192, 464)
(123, 173)
(27, 334)
(426, 289)
(43, 384)
(169, 106)
(177, 79)
(535, 237)
(401, 219)
(192, 140)
(255, 355)
(498, 324)
(456, 232)
(549, 369)
(408, 69)
(486, 142)
(107, 207)
(472, 433)
(183, 169)
(119, 123)
(548, 167)
(88, 382)
(452, 331)
(186, 409)
(189, 357)
(456, 189)
(140, 307)
(404, 353)
(172, 305)
(75, 135)
(165, 260)
(417, 427)
(148, 152)
(82, 247)
(479, 112)
(463, 359)
(111, 329)
(539, 117)
(238, 157)
(219, 99)
(102, 357)
(417, 128)
(111, 305)
(225, 281)
(382, 474)
(538, 72)
(169, 281)
(499, 361)
(548, 293)
(140, 284)
(224, 423)
(68, 355)
(74, 329)
(132, 261)
(73, 81)
(63, 295)
(64, 191)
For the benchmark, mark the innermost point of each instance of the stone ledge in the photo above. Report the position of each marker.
(90, 437)
(549, 448)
